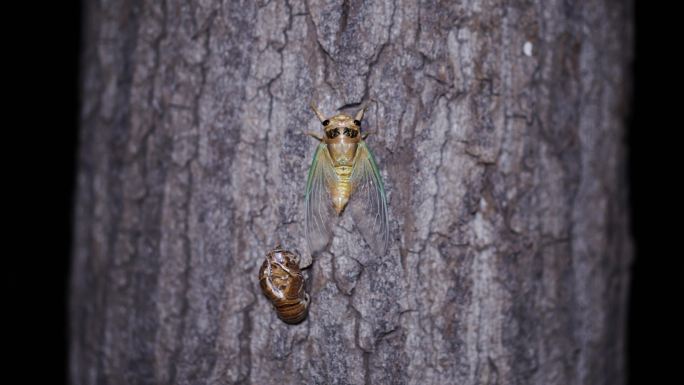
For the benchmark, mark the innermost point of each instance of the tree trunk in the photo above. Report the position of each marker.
(498, 128)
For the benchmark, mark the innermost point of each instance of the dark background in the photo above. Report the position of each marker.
(40, 51)
(43, 110)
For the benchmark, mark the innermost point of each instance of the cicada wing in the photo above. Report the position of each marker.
(320, 214)
(368, 204)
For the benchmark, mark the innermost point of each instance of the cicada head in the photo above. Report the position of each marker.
(341, 127)
(281, 257)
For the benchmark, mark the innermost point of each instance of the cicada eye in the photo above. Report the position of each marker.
(357, 122)
(325, 122)
(350, 132)
(332, 133)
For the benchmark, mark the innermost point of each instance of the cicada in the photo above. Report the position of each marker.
(344, 173)
(282, 282)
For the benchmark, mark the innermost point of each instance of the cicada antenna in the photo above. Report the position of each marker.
(317, 112)
(359, 115)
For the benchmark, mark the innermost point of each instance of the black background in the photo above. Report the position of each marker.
(40, 51)
(40, 141)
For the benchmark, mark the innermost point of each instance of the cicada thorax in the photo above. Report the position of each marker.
(282, 282)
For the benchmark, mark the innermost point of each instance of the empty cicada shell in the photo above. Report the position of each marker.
(283, 284)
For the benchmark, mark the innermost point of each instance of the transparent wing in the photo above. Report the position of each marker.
(320, 214)
(368, 204)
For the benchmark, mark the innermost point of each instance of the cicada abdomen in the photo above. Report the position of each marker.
(344, 172)
(282, 282)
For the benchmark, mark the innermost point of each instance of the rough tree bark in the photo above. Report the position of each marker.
(499, 133)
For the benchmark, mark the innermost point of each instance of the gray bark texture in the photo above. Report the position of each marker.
(498, 127)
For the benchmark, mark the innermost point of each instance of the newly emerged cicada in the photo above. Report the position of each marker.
(282, 282)
(344, 172)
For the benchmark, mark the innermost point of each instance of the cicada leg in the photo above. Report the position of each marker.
(313, 135)
(285, 269)
(269, 280)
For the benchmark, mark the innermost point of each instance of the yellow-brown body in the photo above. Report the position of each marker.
(342, 136)
(344, 171)
(282, 282)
